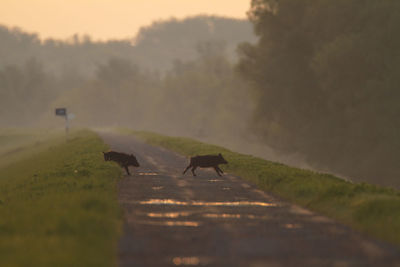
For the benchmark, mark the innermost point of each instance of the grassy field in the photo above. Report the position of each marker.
(368, 208)
(58, 202)
(17, 144)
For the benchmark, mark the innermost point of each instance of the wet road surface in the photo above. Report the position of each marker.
(176, 220)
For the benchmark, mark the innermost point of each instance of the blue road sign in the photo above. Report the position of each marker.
(61, 112)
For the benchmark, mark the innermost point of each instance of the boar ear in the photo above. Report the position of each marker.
(220, 154)
(103, 152)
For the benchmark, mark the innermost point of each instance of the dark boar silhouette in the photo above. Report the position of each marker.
(206, 161)
(124, 160)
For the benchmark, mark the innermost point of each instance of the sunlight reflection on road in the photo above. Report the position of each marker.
(157, 187)
(204, 203)
(171, 223)
(232, 216)
(186, 261)
(147, 173)
(168, 214)
(292, 226)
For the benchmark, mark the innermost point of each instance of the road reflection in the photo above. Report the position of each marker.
(171, 223)
(186, 261)
(204, 203)
(231, 216)
(157, 187)
(292, 226)
(168, 214)
(148, 173)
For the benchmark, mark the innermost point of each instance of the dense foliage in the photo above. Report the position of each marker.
(325, 74)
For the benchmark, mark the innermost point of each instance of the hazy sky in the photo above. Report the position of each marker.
(105, 19)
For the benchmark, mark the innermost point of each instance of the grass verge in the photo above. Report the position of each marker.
(368, 208)
(58, 206)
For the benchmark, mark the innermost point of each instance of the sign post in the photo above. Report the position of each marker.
(63, 112)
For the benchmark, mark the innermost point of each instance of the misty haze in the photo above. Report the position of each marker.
(200, 77)
(289, 115)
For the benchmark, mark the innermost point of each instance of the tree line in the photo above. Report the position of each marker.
(154, 47)
(175, 76)
(325, 74)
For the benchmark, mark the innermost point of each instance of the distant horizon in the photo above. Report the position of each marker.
(105, 20)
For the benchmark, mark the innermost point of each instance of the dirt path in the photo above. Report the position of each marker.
(176, 220)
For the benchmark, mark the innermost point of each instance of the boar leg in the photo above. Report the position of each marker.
(217, 170)
(127, 170)
(193, 168)
(190, 165)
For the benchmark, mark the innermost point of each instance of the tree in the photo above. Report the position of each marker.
(323, 74)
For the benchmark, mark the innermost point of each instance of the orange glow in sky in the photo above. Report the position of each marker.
(106, 19)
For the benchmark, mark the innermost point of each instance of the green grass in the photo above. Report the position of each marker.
(58, 205)
(11, 138)
(16, 144)
(368, 208)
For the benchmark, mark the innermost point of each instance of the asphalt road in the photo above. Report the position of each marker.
(176, 220)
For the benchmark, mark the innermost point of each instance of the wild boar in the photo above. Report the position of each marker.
(206, 161)
(124, 160)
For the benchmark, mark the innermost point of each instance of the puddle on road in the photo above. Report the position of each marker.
(182, 183)
(186, 261)
(215, 180)
(168, 214)
(246, 186)
(148, 173)
(292, 226)
(203, 203)
(171, 223)
(157, 187)
(174, 215)
(179, 223)
(232, 216)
